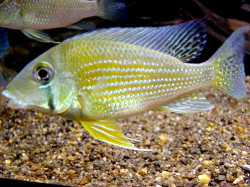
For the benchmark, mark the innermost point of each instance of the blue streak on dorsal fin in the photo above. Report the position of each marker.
(4, 43)
(184, 41)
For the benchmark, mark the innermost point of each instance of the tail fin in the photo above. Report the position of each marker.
(4, 43)
(228, 65)
(114, 10)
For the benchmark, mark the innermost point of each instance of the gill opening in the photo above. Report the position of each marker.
(49, 94)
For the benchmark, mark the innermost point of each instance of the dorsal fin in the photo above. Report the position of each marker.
(184, 41)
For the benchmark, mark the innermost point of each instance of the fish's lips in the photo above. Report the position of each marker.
(14, 102)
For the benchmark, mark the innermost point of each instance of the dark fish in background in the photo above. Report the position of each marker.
(31, 16)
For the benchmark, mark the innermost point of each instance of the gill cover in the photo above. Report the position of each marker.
(44, 84)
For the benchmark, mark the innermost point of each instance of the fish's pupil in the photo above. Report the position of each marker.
(1, 1)
(43, 74)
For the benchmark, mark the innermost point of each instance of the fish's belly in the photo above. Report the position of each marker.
(126, 81)
(50, 14)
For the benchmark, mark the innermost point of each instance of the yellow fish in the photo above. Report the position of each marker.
(99, 77)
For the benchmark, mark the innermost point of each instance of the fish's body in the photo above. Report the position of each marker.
(45, 14)
(101, 76)
(129, 79)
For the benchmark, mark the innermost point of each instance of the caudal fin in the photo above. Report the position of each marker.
(4, 43)
(114, 10)
(228, 65)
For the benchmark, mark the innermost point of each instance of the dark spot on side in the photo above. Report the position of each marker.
(51, 104)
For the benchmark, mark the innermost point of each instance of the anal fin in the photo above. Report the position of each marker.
(193, 102)
(109, 132)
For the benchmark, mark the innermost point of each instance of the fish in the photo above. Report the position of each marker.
(33, 16)
(101, 76)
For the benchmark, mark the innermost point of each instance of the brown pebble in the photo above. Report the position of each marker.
(207, 163)
(71, 158)
(238, 180)
(142, 171)
(189, 176)
(71, 173)
(83, 181)
(165, 174)
(163, 138)
(35, 168)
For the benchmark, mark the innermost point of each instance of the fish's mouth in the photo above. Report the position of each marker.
(14, 102)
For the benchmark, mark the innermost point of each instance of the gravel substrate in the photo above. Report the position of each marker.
(205, 149)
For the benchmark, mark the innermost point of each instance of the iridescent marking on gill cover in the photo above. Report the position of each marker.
(101, 76)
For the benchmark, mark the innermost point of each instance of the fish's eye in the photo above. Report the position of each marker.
(43, 74)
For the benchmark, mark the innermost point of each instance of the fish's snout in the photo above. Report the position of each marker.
(7, 94)
(14, 102)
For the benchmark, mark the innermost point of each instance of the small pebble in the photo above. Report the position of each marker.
(163, 138)
(184, 161)
(224, 145)
(71, 158)
(7, 162)
(213, 184)
(207, 163)
(142, 171)
(240, 129)
(204, 178)
(71, 173)
(238, 180)
(124, 171)
(245, 137)
(189, 176)
(246, 167)
(165, 174)
(221, 178)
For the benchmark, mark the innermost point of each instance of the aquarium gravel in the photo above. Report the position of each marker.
(204, 149)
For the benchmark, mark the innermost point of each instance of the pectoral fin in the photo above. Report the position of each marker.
(109, 132)
(190, 103)
(39, 36)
